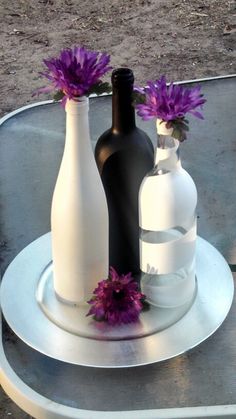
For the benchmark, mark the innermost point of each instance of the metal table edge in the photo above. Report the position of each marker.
(50, 101)
(39, 406)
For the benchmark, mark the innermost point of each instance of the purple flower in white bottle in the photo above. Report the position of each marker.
(168, 198)
(79, 215)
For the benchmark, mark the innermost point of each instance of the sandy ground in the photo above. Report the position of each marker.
(182, 39)
(185, 39)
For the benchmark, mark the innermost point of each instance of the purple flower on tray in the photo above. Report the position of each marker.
(75, 73)
(169, 103)
(116, 300)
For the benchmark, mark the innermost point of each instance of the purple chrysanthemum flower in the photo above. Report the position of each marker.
(169, 103)
(75, 72)
(116, 300)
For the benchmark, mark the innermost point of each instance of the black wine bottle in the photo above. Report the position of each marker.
(124, 154)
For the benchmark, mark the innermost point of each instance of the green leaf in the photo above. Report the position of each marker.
(176, 134)
(100, 88)
(58, 95)
(179, 133)
(146, 305)
(180, 127)
(98, 319)
(138, 98)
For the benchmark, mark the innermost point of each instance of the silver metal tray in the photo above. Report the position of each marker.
(34, 315)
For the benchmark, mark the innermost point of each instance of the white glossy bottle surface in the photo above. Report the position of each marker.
(167, 205)
(79, 216)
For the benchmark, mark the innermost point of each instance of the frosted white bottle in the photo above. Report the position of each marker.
(79, 215)
(167, 219)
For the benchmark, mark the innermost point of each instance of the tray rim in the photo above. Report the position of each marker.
(125, 354)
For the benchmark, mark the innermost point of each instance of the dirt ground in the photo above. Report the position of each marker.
(183, 39)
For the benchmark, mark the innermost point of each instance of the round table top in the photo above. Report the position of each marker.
(31, 146)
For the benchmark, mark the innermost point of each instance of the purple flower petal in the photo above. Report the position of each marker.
(75, 71)
(197, 114)
(169, 102)
(46, 89)
(117, 299)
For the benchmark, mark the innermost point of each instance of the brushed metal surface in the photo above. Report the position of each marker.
(73, 319)
(28, 321)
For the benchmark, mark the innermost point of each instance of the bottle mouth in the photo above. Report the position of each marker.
(77, 105)
(122, 76)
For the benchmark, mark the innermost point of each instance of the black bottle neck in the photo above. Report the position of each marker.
(123, 114)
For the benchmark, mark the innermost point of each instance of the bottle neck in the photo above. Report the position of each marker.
(77, 126)
(123, 114)
(167, 154)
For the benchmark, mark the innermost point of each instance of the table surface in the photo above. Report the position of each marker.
(31, 146)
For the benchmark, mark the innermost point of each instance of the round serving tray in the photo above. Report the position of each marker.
(30, 308)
